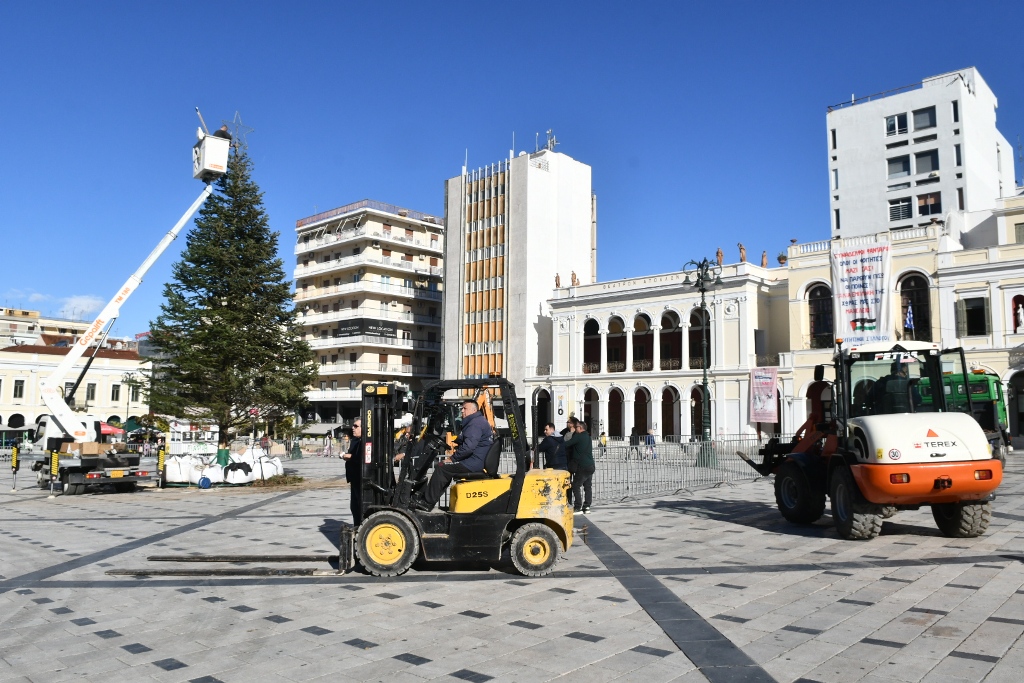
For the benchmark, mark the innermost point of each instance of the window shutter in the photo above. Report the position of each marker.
(961, 318)
(988, 316)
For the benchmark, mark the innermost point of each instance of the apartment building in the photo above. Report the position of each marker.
(908, 156)
(516, 229)
(368, 291)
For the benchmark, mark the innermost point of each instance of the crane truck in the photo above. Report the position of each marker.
(877, 440)
(86, 461)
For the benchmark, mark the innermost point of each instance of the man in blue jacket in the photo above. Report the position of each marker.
(473, 442)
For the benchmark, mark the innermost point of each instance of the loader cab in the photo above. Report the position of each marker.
(883, 379)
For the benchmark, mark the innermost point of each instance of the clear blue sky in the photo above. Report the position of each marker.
(704, 123)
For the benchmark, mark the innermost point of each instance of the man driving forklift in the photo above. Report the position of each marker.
(473, 442)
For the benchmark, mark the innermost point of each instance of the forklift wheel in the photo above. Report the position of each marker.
(797, 499)
(535, 549)
(387, 544)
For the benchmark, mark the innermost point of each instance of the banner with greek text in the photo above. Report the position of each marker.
(860, 292)
(763, 406)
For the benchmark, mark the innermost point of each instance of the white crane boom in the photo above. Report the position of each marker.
(50, 388)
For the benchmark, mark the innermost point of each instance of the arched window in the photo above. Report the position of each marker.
(915, 309)
(700, 325)
(819, 302)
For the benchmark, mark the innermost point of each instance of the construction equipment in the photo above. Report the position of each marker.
(525, 511)
(874, 445)
(92, 463)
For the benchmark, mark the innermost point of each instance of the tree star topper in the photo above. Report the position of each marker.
(239, 131)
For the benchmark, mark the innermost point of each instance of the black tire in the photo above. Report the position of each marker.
(962, 520)
(69, 488)
(795, 497)
(387, 544)
(535, 549)
(125, 487)
(855, 520)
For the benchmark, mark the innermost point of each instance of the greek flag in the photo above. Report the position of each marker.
(908, 324)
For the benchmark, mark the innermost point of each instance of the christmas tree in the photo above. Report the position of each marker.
(229, 349)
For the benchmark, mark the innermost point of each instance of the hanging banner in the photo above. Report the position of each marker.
(860, 293)
(561, 407)
(763, 406)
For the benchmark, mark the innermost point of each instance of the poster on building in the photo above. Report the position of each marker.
(561, 407)
(860, 291)
(371, 326)
(763, 406)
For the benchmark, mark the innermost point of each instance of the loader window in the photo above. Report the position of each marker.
(887, 384)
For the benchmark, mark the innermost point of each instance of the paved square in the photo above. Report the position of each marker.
(707, 585)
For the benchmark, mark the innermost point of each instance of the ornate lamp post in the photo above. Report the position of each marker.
(706, 274)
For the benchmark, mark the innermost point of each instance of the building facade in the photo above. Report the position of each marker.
(368, 290)
(512, 229)
(111, 390)
(628, 355)
(901, 158)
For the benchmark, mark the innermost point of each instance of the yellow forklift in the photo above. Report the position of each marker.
(525, 511)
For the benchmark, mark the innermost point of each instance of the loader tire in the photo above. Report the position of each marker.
(387, 544)
(962, 520)
(535, 549)
(855, 519)
(795, 496)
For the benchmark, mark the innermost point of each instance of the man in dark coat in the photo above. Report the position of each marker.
(553, 448)
(354, 472)
(579, 451)
(474, 441)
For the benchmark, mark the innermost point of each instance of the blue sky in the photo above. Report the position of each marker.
(704, 122)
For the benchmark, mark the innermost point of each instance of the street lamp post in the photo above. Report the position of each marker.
(706, 273)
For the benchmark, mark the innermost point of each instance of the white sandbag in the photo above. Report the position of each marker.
(268, 467)
(179, 468)
(196, 473)
(238, 476)
(215, 473)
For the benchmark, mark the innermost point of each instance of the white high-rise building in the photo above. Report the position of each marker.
(368, 291)
(512, 229)
(909, 156)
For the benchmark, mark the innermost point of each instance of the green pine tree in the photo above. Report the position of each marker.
(227, 336)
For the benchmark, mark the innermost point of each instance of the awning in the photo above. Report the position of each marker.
(320, 428)
(106, 429)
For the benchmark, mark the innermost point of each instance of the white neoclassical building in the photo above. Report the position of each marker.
(628, 354)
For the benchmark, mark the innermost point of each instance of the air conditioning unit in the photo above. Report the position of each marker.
(315, 329)
(376, 244)
(423, 257)
(933, 174)
(394, 302)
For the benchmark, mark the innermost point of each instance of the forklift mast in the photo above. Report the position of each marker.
(382, 403)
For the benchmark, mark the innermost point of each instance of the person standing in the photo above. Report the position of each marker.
(579, 452)
(553, 448)
(354, 472)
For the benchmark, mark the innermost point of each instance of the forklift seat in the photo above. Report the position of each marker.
(491, 463)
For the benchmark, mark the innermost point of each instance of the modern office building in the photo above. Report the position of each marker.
(907, 157)
(368, 291)
(515, 230)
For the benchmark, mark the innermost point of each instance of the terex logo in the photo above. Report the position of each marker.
(940, 444)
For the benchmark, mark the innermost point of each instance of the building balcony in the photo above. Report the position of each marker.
(671, 363)
(311, 318)
(643, 365)
(373, 340)
(417, 241)
(368, 286)
(371, 368)
(335, 394)
(538, 370)
(416, 265)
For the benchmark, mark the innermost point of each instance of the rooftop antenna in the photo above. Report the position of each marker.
(552, 140)
(200, 115)
(536, 142)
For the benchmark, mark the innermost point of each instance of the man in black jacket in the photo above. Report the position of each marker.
(553, 448)
(354, 472)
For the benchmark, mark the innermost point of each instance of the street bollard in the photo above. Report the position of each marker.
(54, 471)
(15, 466)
